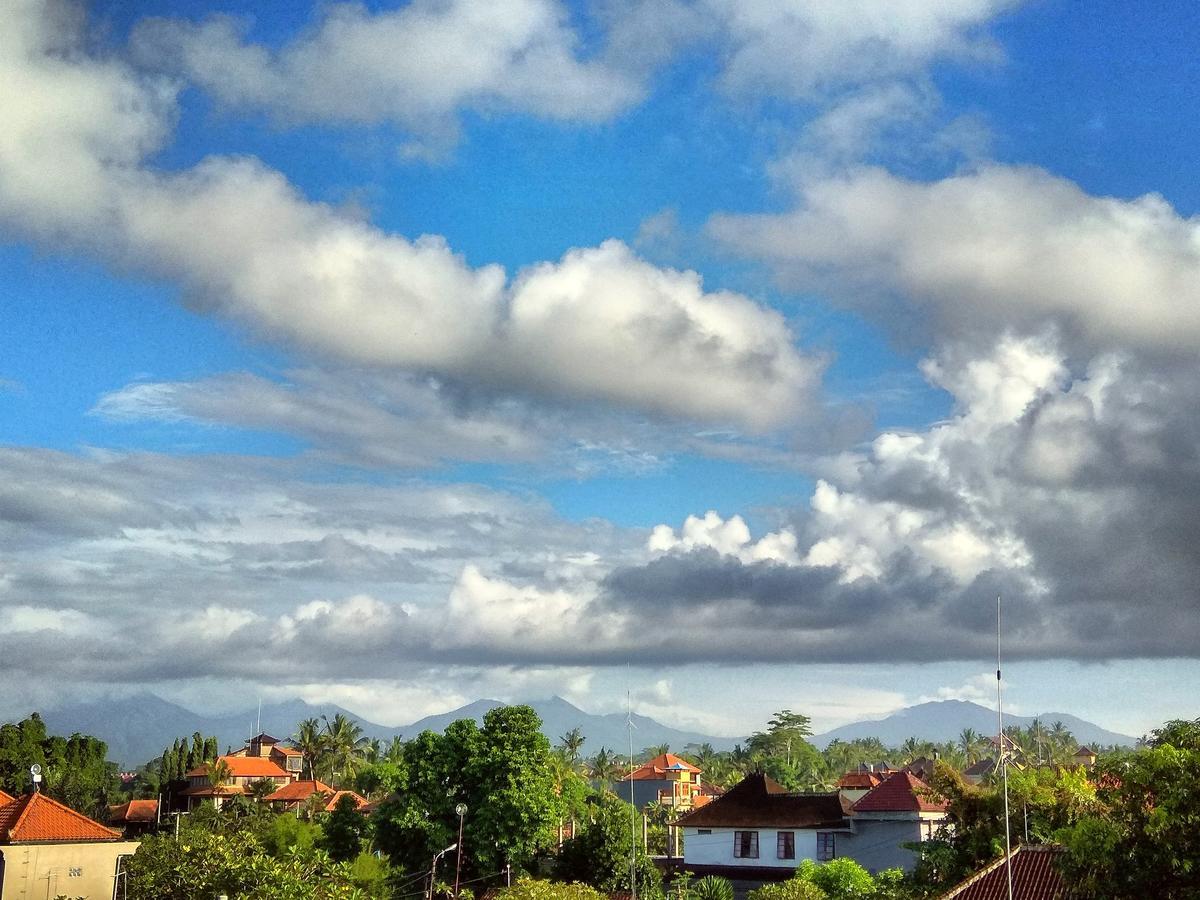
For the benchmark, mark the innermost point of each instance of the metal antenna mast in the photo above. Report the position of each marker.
(1001, 760)
(632, 806)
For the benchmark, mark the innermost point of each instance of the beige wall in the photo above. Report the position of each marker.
(45, 871)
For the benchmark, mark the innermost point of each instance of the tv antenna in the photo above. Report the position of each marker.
(632, 805)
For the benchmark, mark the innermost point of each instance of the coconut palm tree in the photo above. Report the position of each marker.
(310, 741)
(345, 743)
(570, 745)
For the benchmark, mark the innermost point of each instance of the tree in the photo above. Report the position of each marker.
(1140, 842)
(571, 743)
(344, 830)
(786, 730)
(310, 741)
(600, 853)
(344, 744)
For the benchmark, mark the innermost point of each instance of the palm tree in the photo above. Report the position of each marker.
(653, 751)
(570, 744)
(345, 743)
(217, 773)
(311, 742)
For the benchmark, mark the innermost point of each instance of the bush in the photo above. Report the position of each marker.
(839, 879)
(531, 889)
(712, 887)
(793, 889)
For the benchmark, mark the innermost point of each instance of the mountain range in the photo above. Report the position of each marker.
(138, 728)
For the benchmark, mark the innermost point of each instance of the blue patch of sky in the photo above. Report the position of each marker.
(1104, 94)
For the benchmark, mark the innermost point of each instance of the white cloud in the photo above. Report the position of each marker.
(730, 537)
(1000, 246)
(599, 325)
(979, 689)
(415, 66)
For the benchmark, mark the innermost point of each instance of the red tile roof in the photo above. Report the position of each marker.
(859, 780)
(35, 818)
(899, 792)
(1033, 873)
(287, 751)
(244, 767)
(359, 800)
(299, 791)
(134, 811)
(656, 769)
(756, 800)
(5, 798)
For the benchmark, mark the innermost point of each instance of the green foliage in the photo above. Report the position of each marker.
(75, 769)
(838, 879)
(1142, 838)
(344, 830)
(370, 873)
(792, 889)
(531, 889)
(287, 834)
(599, 854)
(206, 863)
(711, 887)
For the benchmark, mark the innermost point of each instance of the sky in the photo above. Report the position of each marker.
(725, 356)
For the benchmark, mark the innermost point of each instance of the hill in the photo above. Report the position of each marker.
(943, 720)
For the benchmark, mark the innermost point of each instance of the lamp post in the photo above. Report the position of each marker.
(433, 867)
(461, 809)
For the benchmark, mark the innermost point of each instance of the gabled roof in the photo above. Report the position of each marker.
(758, 801)
(1085, 751)
(981, 767)
(6, 798)
(244, 767)
(359, 800)
(899, 792)
(655, 769)
(859, 781)
(134, 811)
(263, 738)
(298, 791)
(1033, 876)
(36, 819)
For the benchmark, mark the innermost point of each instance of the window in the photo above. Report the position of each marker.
(745, 845)
(825, 851)
(703, 831)
(785, 845)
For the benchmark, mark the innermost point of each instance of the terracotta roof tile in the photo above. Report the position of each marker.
(5, 798)
(1034, 877)
(359, 800)
(244, 767)
(35, 818)
(655, 769)
(298, 791)
(757, 800)
(899, 792)
(134, 811)
(859, 780)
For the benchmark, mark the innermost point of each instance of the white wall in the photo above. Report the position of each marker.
(716, 848)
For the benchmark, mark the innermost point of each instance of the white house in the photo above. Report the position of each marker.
(757, 830)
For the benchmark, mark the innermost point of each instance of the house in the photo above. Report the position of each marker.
(243, 771)
(134, 818)
(1034, 877)
(50, 850)
(667, 780)
(897, 811)
(853, 785)
(299, 794)
(922, 767)
(1086, 757)
(263, 746)
(759, 831)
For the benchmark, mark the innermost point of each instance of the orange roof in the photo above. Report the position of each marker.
(359, 800)
(656, 769)
(287, 751)
(5, 798)
(35, 818)
(298, 791)
(244, 767)
(899, 792)
(134, 811)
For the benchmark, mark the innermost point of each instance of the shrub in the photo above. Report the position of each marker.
(712, 887)
(793, 889)
(531, 889)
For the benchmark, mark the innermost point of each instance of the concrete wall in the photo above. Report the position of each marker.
(876, 845)
(40, 871)
(716, 848)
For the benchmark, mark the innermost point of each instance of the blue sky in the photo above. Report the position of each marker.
(459, 349)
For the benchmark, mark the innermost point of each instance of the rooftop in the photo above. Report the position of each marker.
(899, 792)
(244, 767)
(134, 811)
(37, 819)
(757, 800)
(298, 791)
(1033, 874)
(654, 769)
